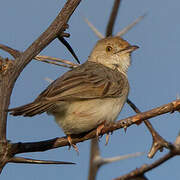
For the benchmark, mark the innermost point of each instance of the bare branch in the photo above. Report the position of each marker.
(47, 59)
(102, 161)
(59, 142)
(53, 60)
(96, 161)
(94, 29)
(94, 153)
(145, 168)
(121, 33)
(174, 151)
(5, 91)
(110, 25)
(158, 142)
(34, 161)
(130, 26)
(13, 52)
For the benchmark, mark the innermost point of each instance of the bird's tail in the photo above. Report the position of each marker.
(31, 109)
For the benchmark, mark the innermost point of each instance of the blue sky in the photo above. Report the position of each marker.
(153, 77)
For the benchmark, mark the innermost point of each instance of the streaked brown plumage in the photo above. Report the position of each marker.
(87, 95)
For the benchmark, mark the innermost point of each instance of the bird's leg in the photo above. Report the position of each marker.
(99, 129)
(71, 144)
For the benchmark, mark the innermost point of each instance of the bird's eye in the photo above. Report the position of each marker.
(109, 49)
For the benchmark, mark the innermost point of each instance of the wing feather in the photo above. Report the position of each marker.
(89, 81)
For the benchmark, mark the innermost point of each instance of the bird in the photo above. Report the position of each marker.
(89, 96)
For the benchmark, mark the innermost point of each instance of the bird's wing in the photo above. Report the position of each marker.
(88, 81)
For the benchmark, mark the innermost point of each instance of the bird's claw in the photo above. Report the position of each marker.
(71, 144)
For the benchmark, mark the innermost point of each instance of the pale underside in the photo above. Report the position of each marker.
(82, 116)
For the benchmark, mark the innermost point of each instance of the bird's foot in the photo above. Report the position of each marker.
(98, 131)
(71, 144)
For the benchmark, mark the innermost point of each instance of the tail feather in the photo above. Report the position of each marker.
(31, 109)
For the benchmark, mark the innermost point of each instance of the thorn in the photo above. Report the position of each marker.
(125, 128)
(67, 45)
(107, 139)
(94, 29)
(119, 158)
(35, 161)
(130, 26)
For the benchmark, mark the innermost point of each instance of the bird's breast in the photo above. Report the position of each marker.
(81, 116)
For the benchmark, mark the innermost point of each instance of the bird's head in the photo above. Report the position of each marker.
(113, 52)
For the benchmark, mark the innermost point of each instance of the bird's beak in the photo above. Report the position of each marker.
(128, 49)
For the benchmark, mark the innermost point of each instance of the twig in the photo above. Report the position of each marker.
(5, 92)
(120, 33)
(53, 60)
(175, 150)
(96, 161)
(110, 25)
(13, 52)
(158, 141)
(101, 161)
(130, 26)
(145, 168)
(47, 59)
(94, 29)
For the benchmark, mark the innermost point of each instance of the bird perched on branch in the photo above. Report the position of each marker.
(90, 95)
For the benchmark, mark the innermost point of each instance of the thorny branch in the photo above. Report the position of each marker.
(124, 123)
(158, 141)
(10, 70)
(174, 151)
